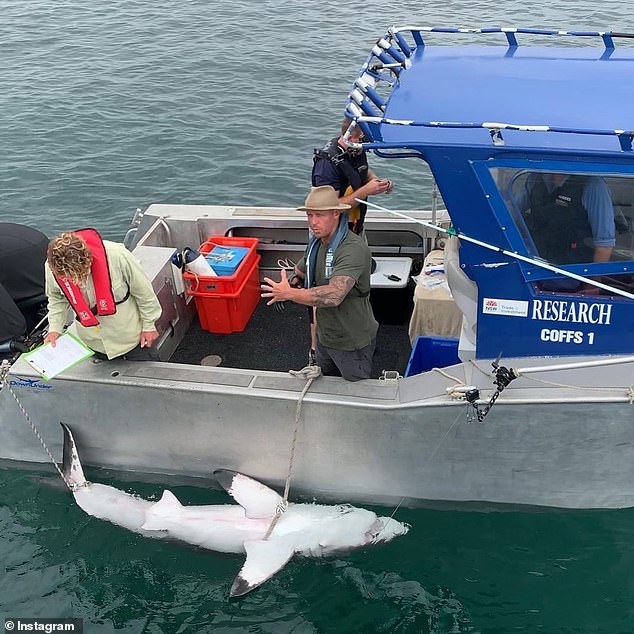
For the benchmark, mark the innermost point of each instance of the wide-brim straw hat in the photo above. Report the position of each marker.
(323, 198)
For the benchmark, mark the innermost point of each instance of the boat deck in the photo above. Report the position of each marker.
(279, 341)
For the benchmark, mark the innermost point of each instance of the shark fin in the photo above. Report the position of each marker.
(256, 498)
(157, 514)
(71, 466)
(264, 559)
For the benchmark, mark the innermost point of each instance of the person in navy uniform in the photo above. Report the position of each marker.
(571, 220)
(345, 168)
(570, 217)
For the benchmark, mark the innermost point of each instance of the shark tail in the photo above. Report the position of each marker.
(157, 515)
(71, 465)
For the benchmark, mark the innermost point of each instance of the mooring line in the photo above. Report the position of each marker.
(5, 372)
(310, 372)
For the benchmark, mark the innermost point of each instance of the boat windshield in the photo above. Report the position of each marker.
(570, 217)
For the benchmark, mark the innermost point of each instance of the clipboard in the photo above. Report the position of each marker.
(48, 362)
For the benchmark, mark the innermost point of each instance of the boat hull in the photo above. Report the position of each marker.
(377, 442)
(560, 437)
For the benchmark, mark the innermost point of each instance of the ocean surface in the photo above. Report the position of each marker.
(112, 105)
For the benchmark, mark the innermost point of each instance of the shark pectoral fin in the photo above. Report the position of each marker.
(254, 497)
(264, 559)
(157, 515)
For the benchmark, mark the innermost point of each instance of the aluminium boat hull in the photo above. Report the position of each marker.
(379, 442)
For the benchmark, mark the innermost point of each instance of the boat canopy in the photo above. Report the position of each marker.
(577, 97)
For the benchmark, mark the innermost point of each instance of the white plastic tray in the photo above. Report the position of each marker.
(398, 266)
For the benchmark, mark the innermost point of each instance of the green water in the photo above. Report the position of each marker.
(456, 571)
(109, 106)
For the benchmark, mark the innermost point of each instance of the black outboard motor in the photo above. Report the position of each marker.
(22, 292)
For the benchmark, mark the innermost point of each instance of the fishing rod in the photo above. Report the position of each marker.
(511, 254)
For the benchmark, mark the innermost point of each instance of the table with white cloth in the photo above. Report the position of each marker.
(435, 313)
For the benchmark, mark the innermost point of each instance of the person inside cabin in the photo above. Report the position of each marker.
(112, 298)
(570, 218)
(335, 270)
(345, 168)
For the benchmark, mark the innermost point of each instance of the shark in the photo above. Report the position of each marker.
(261, 525)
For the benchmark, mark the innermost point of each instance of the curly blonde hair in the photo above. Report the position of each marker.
(69, 257)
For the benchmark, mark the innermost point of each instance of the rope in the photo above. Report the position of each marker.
(286, 263)
(629, 392)
(398, 506)
(391, 517)
(448, 376)
(310, 373)
(34, 428)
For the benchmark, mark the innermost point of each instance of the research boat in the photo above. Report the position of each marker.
(537, 406)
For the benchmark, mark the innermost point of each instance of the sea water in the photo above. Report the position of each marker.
(113, 105)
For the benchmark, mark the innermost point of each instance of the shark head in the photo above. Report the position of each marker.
(344, 527)
(311, 530)
(385, 529)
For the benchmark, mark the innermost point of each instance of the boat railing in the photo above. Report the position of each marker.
(392, 54)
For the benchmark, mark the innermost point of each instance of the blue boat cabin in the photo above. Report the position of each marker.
(531, 148)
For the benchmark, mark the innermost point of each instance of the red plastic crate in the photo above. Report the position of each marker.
(223, 313)
(223, 283)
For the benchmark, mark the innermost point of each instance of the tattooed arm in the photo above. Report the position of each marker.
(333, 293)
(329, 295)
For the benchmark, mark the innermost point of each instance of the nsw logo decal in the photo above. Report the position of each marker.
(507, 307)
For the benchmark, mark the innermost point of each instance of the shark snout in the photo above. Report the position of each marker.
(385, 529)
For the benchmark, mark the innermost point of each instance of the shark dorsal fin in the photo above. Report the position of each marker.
(264, 559)
(167, 507)
(256, 498)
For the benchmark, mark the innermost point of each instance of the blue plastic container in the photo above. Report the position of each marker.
(225, 260)
(432, 352)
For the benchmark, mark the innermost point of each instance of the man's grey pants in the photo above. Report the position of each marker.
(352, 365)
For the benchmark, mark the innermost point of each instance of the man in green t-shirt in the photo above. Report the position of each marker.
(336, 274)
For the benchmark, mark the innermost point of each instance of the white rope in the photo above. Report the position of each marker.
(310, 373)
(582, 388)
(442, 440)
(286, 263)
(448, 376)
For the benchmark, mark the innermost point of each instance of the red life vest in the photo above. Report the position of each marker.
(100, 274)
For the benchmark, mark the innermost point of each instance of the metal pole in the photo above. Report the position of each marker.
(574, 366)
(511, 254)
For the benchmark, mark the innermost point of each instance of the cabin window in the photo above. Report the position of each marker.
(570, 218)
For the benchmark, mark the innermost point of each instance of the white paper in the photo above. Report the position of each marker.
(49, 361)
